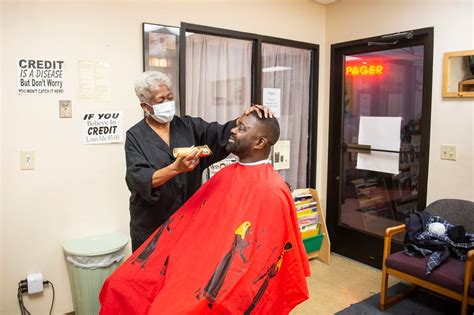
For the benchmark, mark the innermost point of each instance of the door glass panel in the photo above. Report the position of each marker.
(218, 76)
(286, 84)
(381, 85)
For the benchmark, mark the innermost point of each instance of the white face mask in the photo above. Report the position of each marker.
(164, 112)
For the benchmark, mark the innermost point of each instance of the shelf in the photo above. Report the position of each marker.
(324, 253)
(313, 255)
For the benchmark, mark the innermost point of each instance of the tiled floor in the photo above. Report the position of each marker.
(336, 286)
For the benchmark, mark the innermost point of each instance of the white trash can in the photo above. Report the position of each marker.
(90, 261)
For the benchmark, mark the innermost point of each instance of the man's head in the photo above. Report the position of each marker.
(253, 137)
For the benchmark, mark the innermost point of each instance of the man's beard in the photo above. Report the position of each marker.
(235, 148)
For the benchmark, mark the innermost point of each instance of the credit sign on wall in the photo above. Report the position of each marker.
(103, 127)
(40, 76)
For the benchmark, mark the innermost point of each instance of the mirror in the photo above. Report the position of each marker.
(161, 53)
(458, 74)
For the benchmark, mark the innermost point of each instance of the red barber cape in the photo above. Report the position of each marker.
(233, 248)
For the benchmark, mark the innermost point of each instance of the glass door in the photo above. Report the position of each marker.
(381, 172)
(382, 109)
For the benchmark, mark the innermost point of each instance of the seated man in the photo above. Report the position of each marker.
(233, 248)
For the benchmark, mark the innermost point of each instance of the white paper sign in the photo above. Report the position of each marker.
(102, 128)
(102, 81)
(281, 155)
(381, 133)
(40, 76)
(271, 99)
(94, 81)
(86, 80)
(379, 161)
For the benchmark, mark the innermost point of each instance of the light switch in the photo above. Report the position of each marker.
(448, 152)
(65, 109)
(27, 160)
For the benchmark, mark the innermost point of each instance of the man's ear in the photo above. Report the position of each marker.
(261, 143)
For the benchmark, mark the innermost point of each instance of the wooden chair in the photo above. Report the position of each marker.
(452, 279)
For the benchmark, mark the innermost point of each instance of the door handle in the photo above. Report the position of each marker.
(359, 148)
(362, 148)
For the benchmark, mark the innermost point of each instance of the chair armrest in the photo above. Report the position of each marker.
(389, 232)
(468, 273)
(470, 255)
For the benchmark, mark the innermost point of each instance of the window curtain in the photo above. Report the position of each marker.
(288, 69)
(218, 76)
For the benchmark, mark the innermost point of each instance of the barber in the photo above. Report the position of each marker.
(159, 184)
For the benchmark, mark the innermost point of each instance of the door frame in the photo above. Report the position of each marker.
(348, 242)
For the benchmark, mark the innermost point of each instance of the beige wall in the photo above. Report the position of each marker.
(472, 114)
(1, 154)
(79, 190)
(451, 120)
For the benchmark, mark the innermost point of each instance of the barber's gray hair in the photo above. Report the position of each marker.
(147, 82)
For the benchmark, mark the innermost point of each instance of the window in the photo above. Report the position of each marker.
(218, 76)
(286, 71)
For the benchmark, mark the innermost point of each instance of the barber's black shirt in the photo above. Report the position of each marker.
(146, 152)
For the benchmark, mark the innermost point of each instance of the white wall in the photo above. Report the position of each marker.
(451, 119)
(79, 190)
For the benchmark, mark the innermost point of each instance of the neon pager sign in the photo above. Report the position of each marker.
(364, 70)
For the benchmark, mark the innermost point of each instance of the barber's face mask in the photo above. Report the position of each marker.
(164, 112)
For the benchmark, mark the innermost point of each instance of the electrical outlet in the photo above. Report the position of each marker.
(65, 109)
(35, 283)
(448, 152)
(27, 160)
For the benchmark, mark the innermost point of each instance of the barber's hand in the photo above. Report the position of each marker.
(262, 111)
(187, 163)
